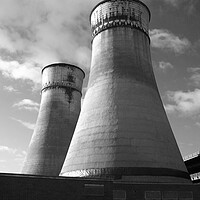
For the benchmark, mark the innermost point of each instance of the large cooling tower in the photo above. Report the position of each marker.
(58, 115)
(123, 131)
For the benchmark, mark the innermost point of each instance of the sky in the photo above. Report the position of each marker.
(36, 33)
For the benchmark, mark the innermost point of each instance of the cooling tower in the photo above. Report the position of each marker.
(58, 115)
(123, 131)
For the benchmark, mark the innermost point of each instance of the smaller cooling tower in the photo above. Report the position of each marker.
(58, 115)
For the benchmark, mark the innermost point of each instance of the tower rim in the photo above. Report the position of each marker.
(61, 64)
(104, 1)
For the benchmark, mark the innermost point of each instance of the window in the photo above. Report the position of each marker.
(170, 195)
(119, 195)
(185, 195)
(93, 190)
(152, 195)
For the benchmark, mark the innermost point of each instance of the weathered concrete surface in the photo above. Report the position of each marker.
(58, 114)
(123, 131)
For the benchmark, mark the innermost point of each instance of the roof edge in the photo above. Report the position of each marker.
(104, 1)
(62, 65)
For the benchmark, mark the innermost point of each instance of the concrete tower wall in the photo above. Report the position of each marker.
(123, 131)
(58, 115)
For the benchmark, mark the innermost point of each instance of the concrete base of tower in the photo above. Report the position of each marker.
(133, 174)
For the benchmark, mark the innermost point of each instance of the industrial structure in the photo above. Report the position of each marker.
(58, 115)
(192, 163)
(121, 147)
(123, 131)
(26, 187)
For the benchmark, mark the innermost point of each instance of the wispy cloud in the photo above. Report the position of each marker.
(195, 79)
(20, 156)
(10, 88)
(186, 144)
(28, 125)
(7, 149)
(188, 6)
(11, 159)
(172, 2)
(164, 39)
(198, 124)
(185, 103)
(193, 69)
(15, 70)
(165, 65)
(195, 75)
(27, 104)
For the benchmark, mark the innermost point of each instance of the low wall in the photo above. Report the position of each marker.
(25, 187)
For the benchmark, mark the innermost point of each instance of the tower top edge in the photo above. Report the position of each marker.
(137, 1)
(62, 65)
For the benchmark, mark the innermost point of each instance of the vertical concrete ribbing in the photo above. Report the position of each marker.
(58, 115)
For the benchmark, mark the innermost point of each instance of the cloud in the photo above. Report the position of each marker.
(198, 124)
(20, 156)
(186, 144)
(37, 33)
(7, 149)
(193, 69)
(165, 65)
(165, 40)
(185, 103)
(172, 2)
(27, 104)
(188, 6)
(195, 78)
(11, 159)
(170, 108)
(6, 42)
(28, 125)
(25, 71)
(195, 75)
(47, 31)
(10, 88)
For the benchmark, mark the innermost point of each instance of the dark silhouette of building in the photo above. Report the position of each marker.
(26, 187)
(192, 163)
